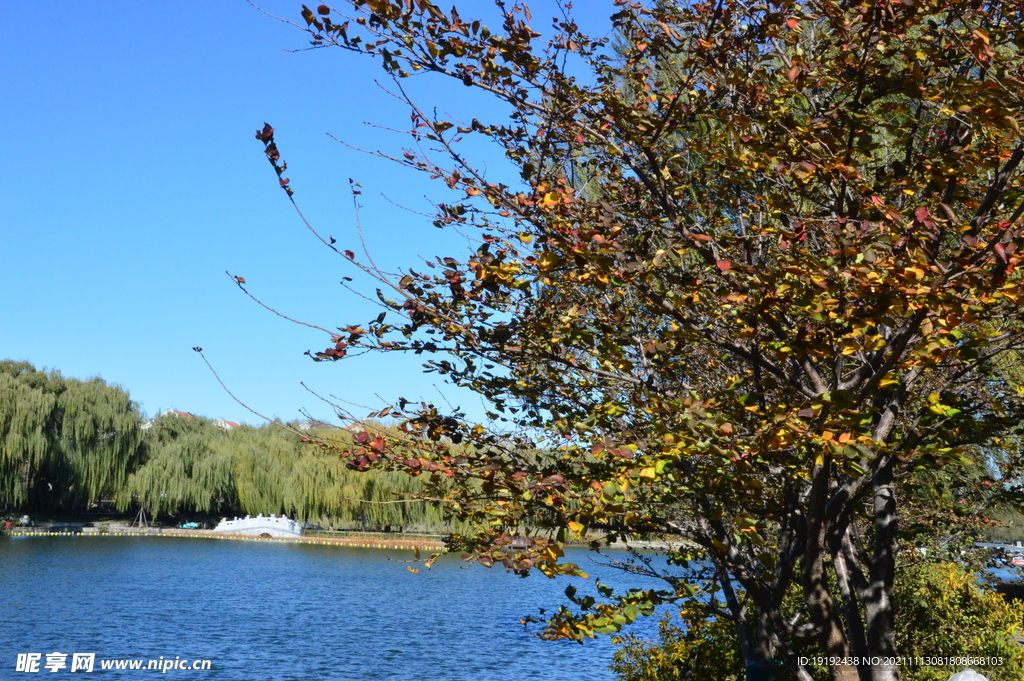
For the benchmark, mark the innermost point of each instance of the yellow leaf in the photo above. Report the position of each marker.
(551, 199)
(548, 261)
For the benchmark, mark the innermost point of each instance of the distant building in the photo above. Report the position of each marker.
(221, 423)
(310, 424)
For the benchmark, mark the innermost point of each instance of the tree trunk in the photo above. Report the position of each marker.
(755, 645)
(820, 606)
(878, 599)
(849, 588)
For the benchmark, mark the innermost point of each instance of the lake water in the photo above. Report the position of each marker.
(273, 611)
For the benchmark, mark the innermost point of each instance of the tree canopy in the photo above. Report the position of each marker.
(67, 444)
(63, 442)
(754, 288)
(190, 465)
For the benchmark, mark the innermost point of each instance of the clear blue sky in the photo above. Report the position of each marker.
(132, 181)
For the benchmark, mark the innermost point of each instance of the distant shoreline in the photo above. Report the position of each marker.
(398, 542)
(404, 542)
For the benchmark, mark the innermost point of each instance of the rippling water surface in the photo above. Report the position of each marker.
(277, 611)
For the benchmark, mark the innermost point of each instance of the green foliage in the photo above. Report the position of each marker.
(194, 466)
(184, 469)
(942, 610)
(1007, 525)
(703, 650)
(64, 443)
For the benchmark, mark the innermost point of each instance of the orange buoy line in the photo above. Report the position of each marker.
(353, 542)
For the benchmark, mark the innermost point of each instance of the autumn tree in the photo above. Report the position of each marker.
(752, 288)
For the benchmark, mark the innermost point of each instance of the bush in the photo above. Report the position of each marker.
(941, 610)
(702, 651)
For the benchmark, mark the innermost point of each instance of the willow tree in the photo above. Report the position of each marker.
(186, 468)
(64, 442)
(192, 466)
(324, 487)
(779, 303)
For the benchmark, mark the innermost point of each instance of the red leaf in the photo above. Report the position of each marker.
(723, 265)
(792, 23)
(266, 134)
(350, 255)
(1001, 252)
(240, 280)
(792, 74)
(324, 10)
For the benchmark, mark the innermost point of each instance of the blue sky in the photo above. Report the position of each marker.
(132, 181)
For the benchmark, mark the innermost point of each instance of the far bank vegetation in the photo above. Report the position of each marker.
(67, 444)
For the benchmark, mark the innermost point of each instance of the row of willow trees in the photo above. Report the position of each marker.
(67, 444)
